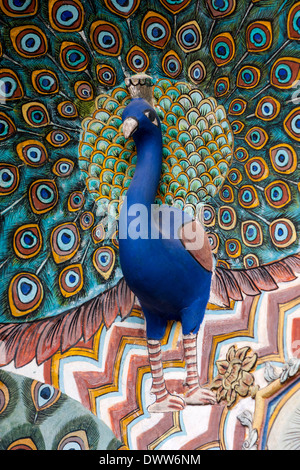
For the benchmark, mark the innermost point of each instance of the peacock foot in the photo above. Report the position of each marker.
(166, 404)
(200, 396)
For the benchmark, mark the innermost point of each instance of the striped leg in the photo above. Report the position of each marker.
(164, 400)
(195, 395)
(158, 381)
(190, 355)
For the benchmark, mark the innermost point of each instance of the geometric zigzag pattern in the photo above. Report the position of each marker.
(110, 375)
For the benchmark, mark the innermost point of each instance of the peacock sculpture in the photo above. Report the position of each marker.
(220, 126)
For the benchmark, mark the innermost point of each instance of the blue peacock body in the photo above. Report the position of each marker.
(225, 78)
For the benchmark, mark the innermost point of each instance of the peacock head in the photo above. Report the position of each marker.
(139, 117)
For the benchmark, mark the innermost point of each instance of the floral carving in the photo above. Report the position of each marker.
(234, 378)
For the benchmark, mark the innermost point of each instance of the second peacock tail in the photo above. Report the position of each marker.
(225, 80)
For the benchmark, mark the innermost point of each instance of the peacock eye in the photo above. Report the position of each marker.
(151, 116)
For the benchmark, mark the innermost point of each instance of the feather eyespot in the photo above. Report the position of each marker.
(250, 261)
(151, 115)
(9, 179)
(19, 9)
(76, 440)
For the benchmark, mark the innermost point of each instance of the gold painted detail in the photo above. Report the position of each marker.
(234, 379)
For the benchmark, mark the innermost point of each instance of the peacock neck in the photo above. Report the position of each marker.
(143, 187)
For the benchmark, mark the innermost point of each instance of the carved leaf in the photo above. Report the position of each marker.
(249, 362)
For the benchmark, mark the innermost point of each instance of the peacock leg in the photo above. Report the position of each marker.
(165, 401)
(195, 395)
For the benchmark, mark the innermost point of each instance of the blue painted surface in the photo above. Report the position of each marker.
(169, 283)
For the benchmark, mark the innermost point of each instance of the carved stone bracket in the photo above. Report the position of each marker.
(246, 419)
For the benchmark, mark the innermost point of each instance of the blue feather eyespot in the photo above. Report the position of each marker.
(291, 124)
(226, 194)
(259, 36)
(7, 127)
(156, 29)
(285, 72)
(106, 38)
(189, 36)
(65, 241)
(233, 248)
(98, 233)
(256, 138)
(248, 77)
(220, 8)
(73, 57)
(234, 176)
(76, 440)
(227, 218)
(10, 86)
(220, 5)
(27, 241)
(250, 261)
(171, 64)
(237, 106)
(63, 167)
(75, 201)
(175, 6)
(106, 74)
(283, 233)
(44, 81)
(283, 158)
(221, 86)
(35, 114)
(71, 280)
(241, 154)
(104, 261)
(25, 294)
(197, 72)
(123, 8)
(17, 8)
(137, 59)
(67, 109)
(278, 194)
(29, 41)
(66, 16)
(84, 90)
(57, 138)
(267, 109)
(43, 395)
(257, 169)
(208, 216)
(251, 233)
(222, 49)
(293, 23)
(237, 127)
(87, 220)
(32, 152)
(296, 22)
(248, 197)
(9, 178)
(214, 241)
(43, 196)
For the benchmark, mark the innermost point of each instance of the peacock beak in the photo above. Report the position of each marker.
(130, 125)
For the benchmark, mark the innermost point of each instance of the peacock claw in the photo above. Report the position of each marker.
(167, 404)
(200, 396)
